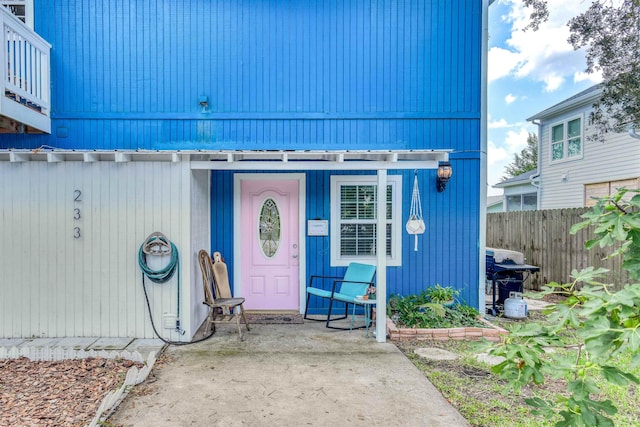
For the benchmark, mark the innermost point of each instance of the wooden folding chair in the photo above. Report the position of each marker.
(222, 309)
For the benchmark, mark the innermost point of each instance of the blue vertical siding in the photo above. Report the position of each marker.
(447, 252)
(342, 73)
(305, 74)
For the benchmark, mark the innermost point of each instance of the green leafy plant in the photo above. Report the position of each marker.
(420, 311)
(440, 294)
(588, 330)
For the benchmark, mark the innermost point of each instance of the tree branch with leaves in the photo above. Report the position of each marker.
(525, 161)
(593, 326)
(610, 33)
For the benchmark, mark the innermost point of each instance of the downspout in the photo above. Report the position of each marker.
(482, 235)
(632, 132)
(534, 178)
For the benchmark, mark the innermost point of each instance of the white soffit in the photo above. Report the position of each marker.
(246, 159)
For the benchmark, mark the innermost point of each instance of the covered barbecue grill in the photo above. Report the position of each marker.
(507, 271)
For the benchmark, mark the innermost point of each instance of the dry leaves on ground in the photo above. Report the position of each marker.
(58, 393)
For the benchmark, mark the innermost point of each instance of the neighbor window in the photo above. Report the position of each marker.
(522, 202)
(566, 140)
(354, 207)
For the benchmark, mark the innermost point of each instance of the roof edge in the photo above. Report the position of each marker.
(581, 98)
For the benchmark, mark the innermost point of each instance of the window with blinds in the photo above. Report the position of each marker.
(358, 217)
(354, 201)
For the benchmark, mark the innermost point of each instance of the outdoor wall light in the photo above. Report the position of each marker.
(444, 174)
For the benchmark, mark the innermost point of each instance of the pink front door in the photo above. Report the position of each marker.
(269, 246)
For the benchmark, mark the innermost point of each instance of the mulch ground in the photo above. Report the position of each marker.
(59, 393)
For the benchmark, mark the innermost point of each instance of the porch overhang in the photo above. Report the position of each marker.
(379, 161)
(245, 159)
(320, 160)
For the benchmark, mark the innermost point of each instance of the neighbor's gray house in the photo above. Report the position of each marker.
(572, 169)
(495, 203)
(201, 118)
(520, 193)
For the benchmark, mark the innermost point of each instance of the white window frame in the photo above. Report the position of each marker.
(337, 181)
(521, 196)
(565, 140)
(28, 9)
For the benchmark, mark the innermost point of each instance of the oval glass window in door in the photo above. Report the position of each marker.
(269, 228)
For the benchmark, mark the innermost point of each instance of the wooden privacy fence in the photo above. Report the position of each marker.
(544, 238)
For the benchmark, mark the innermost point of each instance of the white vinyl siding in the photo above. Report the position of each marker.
(562, 183)
(354, 218)
(71, 233)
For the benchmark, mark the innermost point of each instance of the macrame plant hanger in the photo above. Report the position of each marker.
(415, 224)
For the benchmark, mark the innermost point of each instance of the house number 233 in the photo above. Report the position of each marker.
(77, 198)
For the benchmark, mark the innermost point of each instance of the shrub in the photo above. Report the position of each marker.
(427, 311)
(588, 330)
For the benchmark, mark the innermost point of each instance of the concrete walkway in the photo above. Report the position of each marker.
(286, 375)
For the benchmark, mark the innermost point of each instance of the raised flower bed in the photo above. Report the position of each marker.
(435, 315)
(490, 332)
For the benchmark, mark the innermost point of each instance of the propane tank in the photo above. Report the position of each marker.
(515, 307)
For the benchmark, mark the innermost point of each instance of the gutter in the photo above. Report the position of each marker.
(534, 179)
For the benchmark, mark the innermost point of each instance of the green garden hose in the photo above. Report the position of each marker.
(154, 245)
(158, 244)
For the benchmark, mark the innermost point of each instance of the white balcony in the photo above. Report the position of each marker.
(25, 106)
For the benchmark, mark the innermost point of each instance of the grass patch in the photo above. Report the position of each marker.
(485, 400)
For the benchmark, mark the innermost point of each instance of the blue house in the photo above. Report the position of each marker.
(265, 130)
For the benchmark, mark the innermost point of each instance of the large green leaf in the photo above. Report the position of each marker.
(617, 376)
(582, 388)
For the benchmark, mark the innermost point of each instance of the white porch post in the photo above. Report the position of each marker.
(381, 252)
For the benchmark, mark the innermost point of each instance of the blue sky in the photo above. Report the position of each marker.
(527, 72)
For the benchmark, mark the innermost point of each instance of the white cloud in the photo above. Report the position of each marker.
(497, 124)
(544, 55)
(582, 76)
(498, 157)
(501, 62)
(510, 99)
(502, 123)
(516, 141)
(495, 154)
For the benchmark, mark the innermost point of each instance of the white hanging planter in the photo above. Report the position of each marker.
(415, 225)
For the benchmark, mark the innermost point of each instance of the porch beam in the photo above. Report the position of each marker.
(314, 165)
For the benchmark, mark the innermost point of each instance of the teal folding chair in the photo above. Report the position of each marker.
(355, 282)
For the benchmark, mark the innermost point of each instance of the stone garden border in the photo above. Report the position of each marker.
(490, 333)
